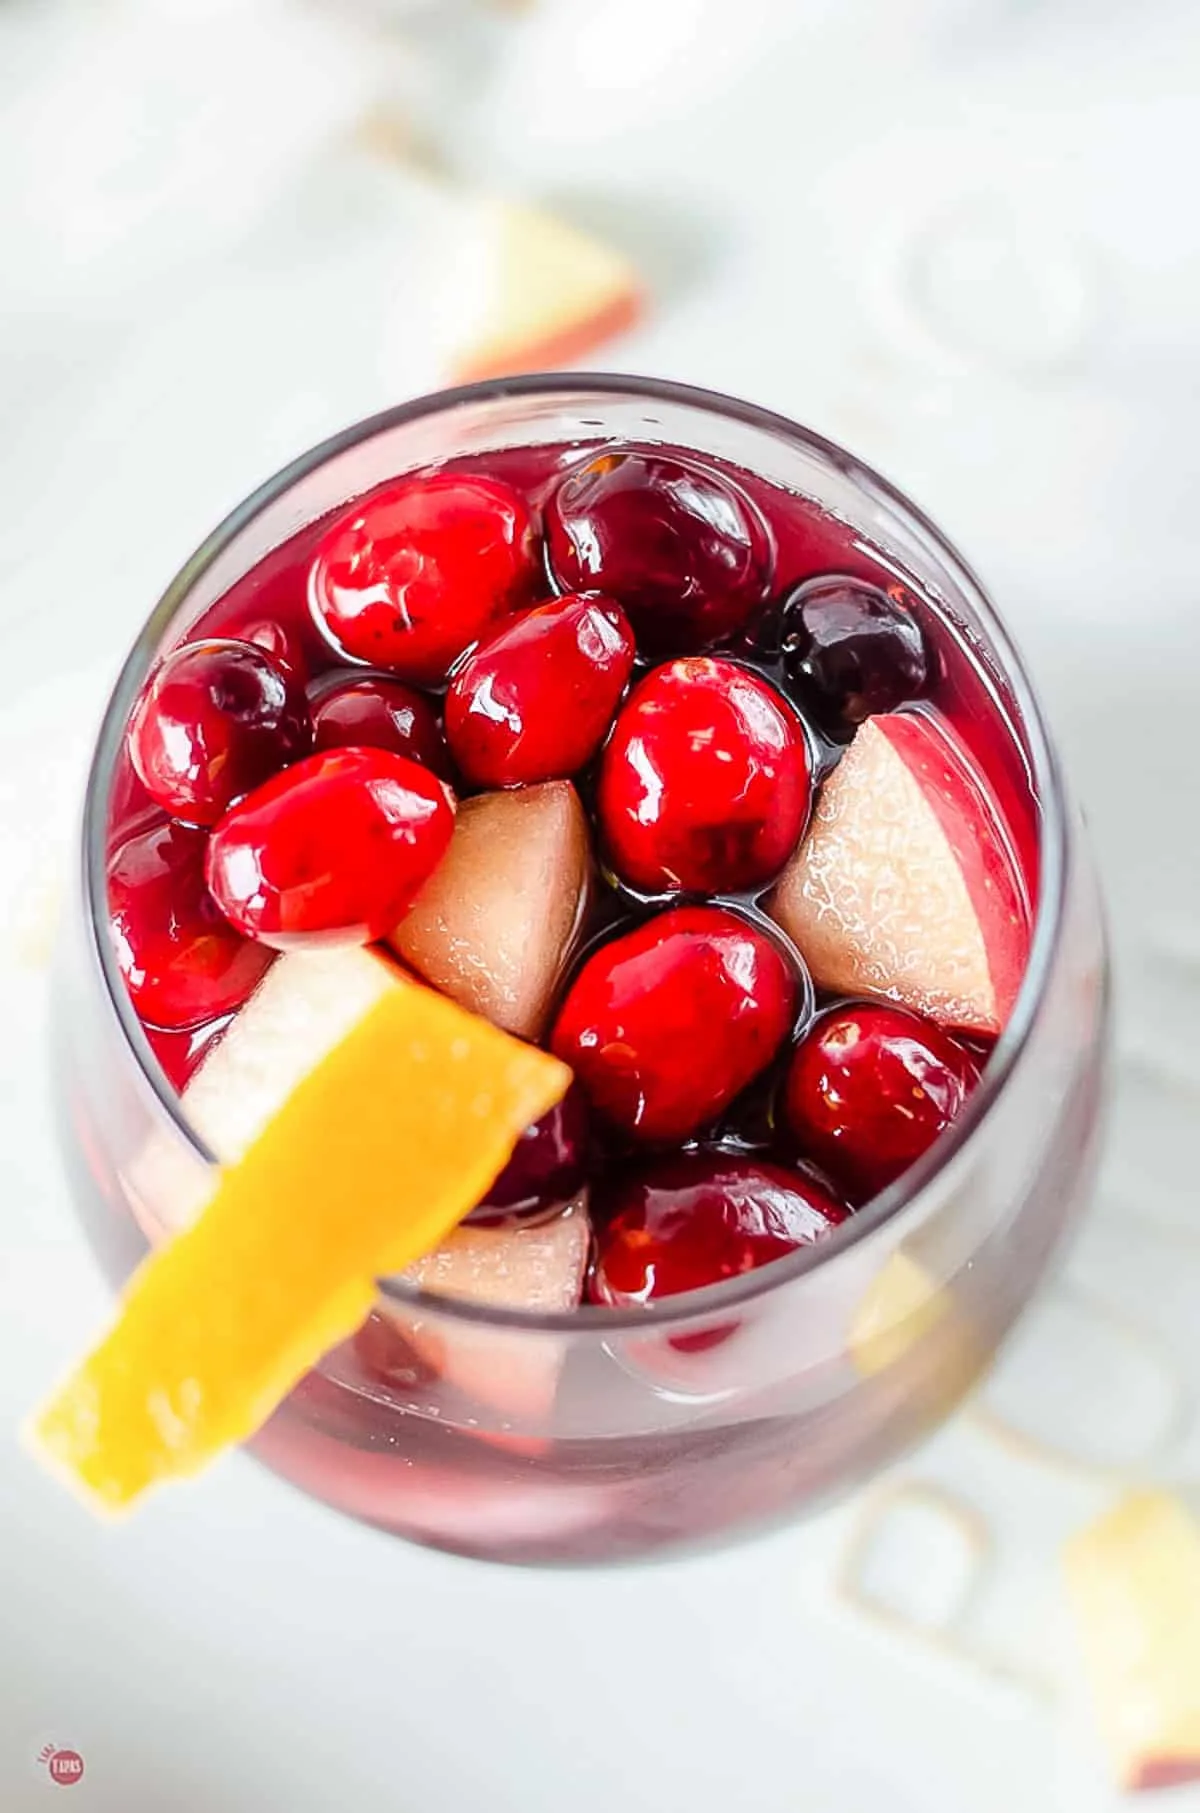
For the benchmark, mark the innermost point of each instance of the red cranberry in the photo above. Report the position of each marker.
(333, 849)
(535, 702)
(672, 540)
(705, 783)
(868, 1090)
(216, 720)
(373, 711)
(421, 569)
(698, 1218)
(548, 1165)
(282, 644)
(182, 962)
(667, 1023)
(852, 649)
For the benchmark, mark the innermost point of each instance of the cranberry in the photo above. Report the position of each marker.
(868, 1090)
(182, 963)
(674, 541)
(705, 783)
(217, 718)
(422, 568)
(698, 1218)
(283, 645)
(374, 711)
(853, 649)
(535, 702)
(333, 849)
(667, 1023)
(548, 1165)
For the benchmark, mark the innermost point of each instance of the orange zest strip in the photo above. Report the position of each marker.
(373, 1159)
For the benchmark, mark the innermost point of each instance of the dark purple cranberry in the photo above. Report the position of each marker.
(218, 718)
(674, 541)
(852, 650)
(375, 711)
(548, 1165)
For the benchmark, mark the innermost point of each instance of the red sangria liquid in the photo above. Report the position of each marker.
(747, 833)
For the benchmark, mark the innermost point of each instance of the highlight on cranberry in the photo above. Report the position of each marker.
(676, 541)
(374, 711)
(706, 783)
(852, 650)
(535, 702)
(869, 1088)
(334, 849)
(689, 1221)
(217, 718)
(666, 1024)
(736, 841)
(421, 569)
(182, 960)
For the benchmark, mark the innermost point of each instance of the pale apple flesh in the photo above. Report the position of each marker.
(538, 1269)
(906, 884)
(1134, 1581)
(495, 925)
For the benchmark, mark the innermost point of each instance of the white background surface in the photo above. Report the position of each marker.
(959, 237)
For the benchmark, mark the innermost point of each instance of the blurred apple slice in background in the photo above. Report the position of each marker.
(906, 883)
(494, 925)
(549, 295)
(1134, 1580)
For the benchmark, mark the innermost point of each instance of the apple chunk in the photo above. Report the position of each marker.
(1134, 1578)
(538, 1269)
(906, 883)
(494, 925)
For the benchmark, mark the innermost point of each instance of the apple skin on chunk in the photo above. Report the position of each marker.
(906, 884)
(495, 924)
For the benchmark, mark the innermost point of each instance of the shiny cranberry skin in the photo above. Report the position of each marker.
(852, 650)
(217, 718)
(548, 1165)
(666, 1024)
(421, 569)
(332, 850)
(705, 783)
(699, 1218)
(373, 711)
(868, 1090)
(282, 644)
(534, 702)
(674, 541)
(182, 962)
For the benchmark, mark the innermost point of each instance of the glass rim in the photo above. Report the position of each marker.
(1053, 839)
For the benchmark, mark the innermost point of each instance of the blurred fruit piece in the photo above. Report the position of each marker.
(535, 1269)
(1134, 1581)
(551, 295)
(348, 1179)
(905, 884)
(494, 926)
